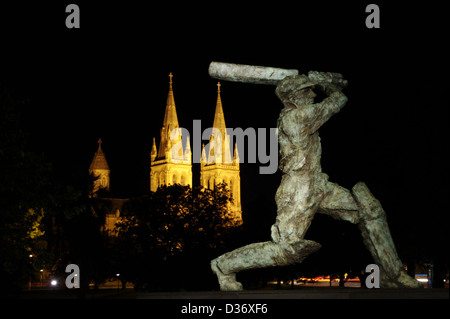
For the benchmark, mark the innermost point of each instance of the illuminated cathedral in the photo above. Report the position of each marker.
(167, 168)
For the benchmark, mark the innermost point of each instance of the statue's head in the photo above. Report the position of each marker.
(305, 96)
(296, 91)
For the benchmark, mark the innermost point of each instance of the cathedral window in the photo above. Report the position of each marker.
(226, 182)
(175, 178)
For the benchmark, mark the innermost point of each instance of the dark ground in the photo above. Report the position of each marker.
(282, 303)
(297, 293)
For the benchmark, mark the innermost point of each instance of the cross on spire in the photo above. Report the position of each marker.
(170, 79)
(218, 87)
(99, 145)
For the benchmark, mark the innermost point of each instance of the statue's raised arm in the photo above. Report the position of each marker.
(298, 92)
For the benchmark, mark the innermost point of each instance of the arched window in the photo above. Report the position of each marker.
(183, 179)
(226, 182)
(156, 180)
(103, 181)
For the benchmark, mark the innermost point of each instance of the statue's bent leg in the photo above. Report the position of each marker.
(378, 240)
(339, 204)
(363, 209)
(259, 255)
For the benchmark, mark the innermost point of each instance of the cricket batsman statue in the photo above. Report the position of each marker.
(305, 190)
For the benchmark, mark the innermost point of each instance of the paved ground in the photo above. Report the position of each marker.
(282, 294)
(307, 293)
(276, 304)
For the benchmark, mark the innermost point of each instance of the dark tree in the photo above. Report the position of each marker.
(77, 221)
(167, 238)
(23, 200)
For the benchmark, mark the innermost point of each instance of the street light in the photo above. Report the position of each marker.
(29, 274)
(42, 273)
(117, 275)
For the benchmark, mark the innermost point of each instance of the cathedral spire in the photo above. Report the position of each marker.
(221, 153)
(220, 166)
(170, 121)
(219, 118)
(99, 160)
(170, 117)
(170, 165)
(187, 156)
(235, 155)
(153, 152)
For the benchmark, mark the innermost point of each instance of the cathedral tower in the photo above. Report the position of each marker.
(220, 166)
(170, 164)
(99, 168)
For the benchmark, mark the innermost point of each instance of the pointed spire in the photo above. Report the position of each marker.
(219, 123)
(170, 117)
(153, 152)
(235, 155)
(170, 120)
(168, 150)
(219, 118)
(99, 160)
(187, 156)
(203, 157)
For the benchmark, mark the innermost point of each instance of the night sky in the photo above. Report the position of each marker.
(109, 80)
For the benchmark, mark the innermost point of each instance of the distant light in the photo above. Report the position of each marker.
(422, 280)
(30, 255)
(42, 270)
(53, 282)
(117, 275)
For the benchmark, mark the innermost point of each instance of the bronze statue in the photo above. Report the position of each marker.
(305, 189)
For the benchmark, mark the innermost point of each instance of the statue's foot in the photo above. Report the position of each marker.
(403, 280)
(226, 282)
(407, 281)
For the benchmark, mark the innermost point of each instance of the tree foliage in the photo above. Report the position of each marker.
(23, 179)
(48, 216)
(174, 231)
